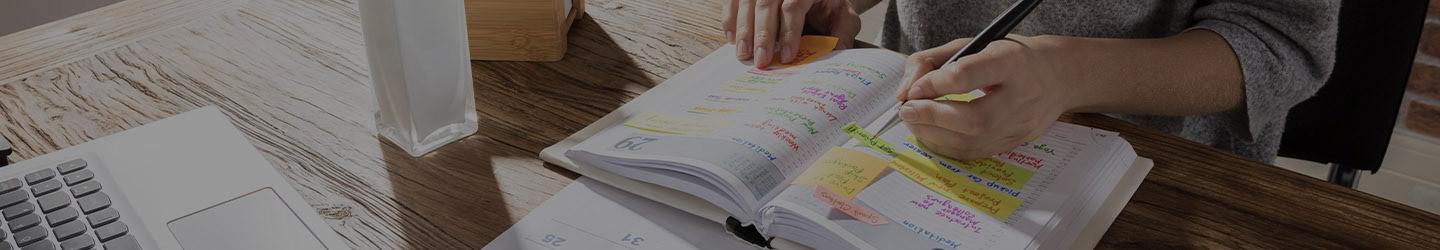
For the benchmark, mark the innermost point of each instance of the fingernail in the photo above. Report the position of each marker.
(742, 50)
(908, 112)
(762, 57)
(788, 55)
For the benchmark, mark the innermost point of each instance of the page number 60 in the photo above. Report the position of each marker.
(633, 143)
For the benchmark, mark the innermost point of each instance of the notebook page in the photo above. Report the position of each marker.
(612, 219)
(760, 127)
(921, 216)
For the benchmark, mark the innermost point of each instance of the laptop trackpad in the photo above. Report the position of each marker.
(259, 220)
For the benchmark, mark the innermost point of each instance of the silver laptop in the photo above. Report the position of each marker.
(190, 181)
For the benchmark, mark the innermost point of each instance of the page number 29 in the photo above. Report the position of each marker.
(633, 143)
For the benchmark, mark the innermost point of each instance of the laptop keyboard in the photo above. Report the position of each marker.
(61, 207)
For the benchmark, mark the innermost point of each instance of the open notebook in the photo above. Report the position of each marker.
(772, 148)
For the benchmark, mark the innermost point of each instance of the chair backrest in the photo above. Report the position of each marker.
(1350, 120)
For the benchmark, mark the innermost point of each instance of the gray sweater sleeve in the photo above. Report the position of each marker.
(1286, 51)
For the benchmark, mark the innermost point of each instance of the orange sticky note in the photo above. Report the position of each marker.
(843, 204)
(812, 48)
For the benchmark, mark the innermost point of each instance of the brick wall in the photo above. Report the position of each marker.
(1422, 107)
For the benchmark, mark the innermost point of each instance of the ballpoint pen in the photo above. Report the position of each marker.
(995, 31)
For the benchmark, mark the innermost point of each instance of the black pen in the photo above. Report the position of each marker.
(997, 30)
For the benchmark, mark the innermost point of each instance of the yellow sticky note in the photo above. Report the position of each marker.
(813, 48)
(956, 187)
(673, 124)
(966, 97)
(990, 168)
(844, 171)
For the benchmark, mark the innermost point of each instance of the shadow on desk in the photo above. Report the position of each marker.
(466, 191)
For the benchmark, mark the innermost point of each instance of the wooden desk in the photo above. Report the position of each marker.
(292, 75)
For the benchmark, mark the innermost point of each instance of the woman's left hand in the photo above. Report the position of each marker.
(1025, 96)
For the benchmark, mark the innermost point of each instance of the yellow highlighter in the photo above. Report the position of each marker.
(966, 97)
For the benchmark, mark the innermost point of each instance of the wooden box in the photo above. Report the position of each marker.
(519, 30)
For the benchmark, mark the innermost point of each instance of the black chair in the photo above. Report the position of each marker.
(1349, 122)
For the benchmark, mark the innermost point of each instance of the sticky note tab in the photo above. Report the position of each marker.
(848, 207)
(966, 97)
(813, 48)
(845, 171)
(871, 140)
(673, 124)
(990, 168)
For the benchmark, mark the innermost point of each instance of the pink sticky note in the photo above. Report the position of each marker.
(839, 202)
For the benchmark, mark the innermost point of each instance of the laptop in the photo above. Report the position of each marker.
(187, 182)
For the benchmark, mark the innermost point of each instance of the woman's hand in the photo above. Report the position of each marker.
(769, 30)
(1024, 97)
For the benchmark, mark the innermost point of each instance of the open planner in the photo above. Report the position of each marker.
(789, 151)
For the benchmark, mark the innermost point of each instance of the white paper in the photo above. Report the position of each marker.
(591, 215)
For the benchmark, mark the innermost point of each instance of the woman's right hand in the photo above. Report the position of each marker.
(767, 30)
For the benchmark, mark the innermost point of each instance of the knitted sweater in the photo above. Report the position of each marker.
(1285, 50)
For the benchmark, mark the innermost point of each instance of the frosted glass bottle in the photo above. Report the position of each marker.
(420, 66)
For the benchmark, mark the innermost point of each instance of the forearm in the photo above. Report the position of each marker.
(1191, 73)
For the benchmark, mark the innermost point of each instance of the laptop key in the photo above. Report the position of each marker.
(103, 217)
(39, 176)
(45, 187)
(13, 198)
(83, 242)
(78, 176)
(10, 185)
(18, 210)
(123, 243)
(52, 201)
(94, 202)
(40, 245)
(23, 222)
(27, 236)
(64, 232)
(63, 215)
(71, 166)
(84, 188)
(108, 232)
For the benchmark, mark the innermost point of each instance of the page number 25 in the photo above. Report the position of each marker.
(633, 143)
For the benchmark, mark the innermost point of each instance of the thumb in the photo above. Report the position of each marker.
(845, 27)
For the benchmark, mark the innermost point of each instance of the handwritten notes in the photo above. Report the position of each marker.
(845, 171)
(951, 179)
(868, 139)
(941, 220)
(813, 48)
(673, 124)
(967, 189)
(990, 168)
(949, 211)
(845, 205)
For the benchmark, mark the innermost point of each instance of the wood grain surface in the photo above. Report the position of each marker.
(292, 75)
